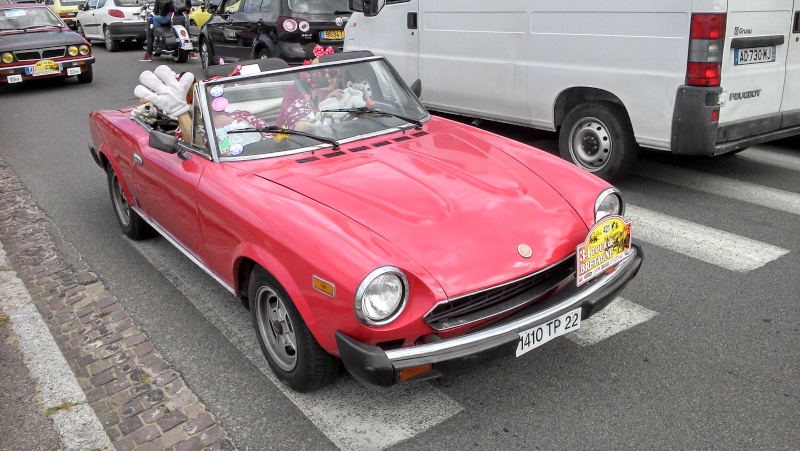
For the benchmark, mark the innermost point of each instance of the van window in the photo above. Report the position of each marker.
(319, 6)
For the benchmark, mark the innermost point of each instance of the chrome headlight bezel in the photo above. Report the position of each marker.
(606, 201)
(362, 292)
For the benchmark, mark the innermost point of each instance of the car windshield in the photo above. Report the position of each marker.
(319, 6)
(27, 19)
(315, 105)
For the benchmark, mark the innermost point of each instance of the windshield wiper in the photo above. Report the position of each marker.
(274, 129)
(367, 110)
(31, 27)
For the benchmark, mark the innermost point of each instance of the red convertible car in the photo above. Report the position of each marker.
(361, 230)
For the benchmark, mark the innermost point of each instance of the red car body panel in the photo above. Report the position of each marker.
(415, 204)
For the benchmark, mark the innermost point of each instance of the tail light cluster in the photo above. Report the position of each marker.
(291, 25)
(116, 13)
(706, 44)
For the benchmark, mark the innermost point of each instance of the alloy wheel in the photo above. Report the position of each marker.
(276, 328)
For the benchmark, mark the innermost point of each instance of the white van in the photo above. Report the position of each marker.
(697, 77)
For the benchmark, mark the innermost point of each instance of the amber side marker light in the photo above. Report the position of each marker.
(323, 286)
(410, 373)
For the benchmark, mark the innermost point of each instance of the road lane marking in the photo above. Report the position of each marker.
(352, 416)
(720, 248)
(771, 159)
(621, 314)
(721, 186)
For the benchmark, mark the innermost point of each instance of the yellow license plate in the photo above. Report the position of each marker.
(608, 243)
(333, 34)
(44, 67)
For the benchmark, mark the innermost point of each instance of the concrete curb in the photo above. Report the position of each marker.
(75, 421)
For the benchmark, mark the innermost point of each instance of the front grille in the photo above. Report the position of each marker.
(501, 299)
(34, 55)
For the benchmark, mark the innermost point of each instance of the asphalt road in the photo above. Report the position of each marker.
(706, 345)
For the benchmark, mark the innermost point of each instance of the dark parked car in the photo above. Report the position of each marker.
(286, 29)
(35, 43)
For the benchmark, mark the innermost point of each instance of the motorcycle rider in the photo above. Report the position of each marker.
(162, 16)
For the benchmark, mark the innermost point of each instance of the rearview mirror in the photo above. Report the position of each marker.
(163, 142)
(357, 6)
(370, 8)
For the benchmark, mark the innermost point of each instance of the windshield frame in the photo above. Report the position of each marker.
(202, 97)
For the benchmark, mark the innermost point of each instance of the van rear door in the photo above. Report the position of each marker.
(754, 65)
(791, 89)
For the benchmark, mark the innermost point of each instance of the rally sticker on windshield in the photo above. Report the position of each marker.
(608, 243)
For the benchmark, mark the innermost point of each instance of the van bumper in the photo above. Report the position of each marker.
(694, 133)
(378, 368)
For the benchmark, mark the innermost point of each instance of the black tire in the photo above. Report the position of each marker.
(86, 77)
(180, 55)
(598, 137)
(132, 225)
(111, 44)
(206, 54)
(302, 364)
(264, 54)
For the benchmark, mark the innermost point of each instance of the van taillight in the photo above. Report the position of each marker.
(707, 40)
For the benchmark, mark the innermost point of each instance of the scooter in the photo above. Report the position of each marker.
(172, 40)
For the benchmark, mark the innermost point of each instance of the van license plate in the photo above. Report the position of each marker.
(533, 338)
(333, 34)
(754, 55)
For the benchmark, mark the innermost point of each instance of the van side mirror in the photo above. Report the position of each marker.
(370, 8)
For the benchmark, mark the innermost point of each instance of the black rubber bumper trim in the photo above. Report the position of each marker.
(372, 366)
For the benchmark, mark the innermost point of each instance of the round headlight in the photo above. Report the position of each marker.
(608, 203)
(381, 296)
(84, 49)
(72, 50)
(7, 58)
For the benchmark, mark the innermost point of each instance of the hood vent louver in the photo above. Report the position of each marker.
(381, 144)
(307, 160)
(362, 148)
(401, 139)
(333, 154)
(359, 149)
(418, 134)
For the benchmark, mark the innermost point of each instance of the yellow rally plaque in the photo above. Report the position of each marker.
(45, 67)
(608, 243)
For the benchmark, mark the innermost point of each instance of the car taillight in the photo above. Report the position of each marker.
(291, 25)
(116, 13)
(707, 40)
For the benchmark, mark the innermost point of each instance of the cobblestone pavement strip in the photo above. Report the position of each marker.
(141, 401)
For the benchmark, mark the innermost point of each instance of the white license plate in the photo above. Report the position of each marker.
(754, 55)
(73, 71)
(15, 79)
(533, 338)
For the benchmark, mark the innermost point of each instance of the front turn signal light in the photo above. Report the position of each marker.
(410, 373)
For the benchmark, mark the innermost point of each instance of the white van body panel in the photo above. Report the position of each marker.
(519, 61)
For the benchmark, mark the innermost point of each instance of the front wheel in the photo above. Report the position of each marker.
(86, 77)
(111, 44)
(180, 55)
(292, 352)
(132, 225)
(264, 54)
(205, 54)
(598, 137)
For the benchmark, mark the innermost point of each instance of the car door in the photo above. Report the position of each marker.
(246, 25)
(220, 31)
(791, 89)
(88, 20)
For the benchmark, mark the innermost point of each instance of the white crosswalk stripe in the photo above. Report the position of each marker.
(621, 314)
(721, 186)
(724, 249)
(771, 158)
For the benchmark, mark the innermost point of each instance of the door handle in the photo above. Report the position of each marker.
(796, 28)
(411, 21)
(138, 159)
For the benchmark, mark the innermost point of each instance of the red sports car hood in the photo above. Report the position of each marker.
(453, 202)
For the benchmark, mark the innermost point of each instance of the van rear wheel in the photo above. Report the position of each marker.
(598, 137)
